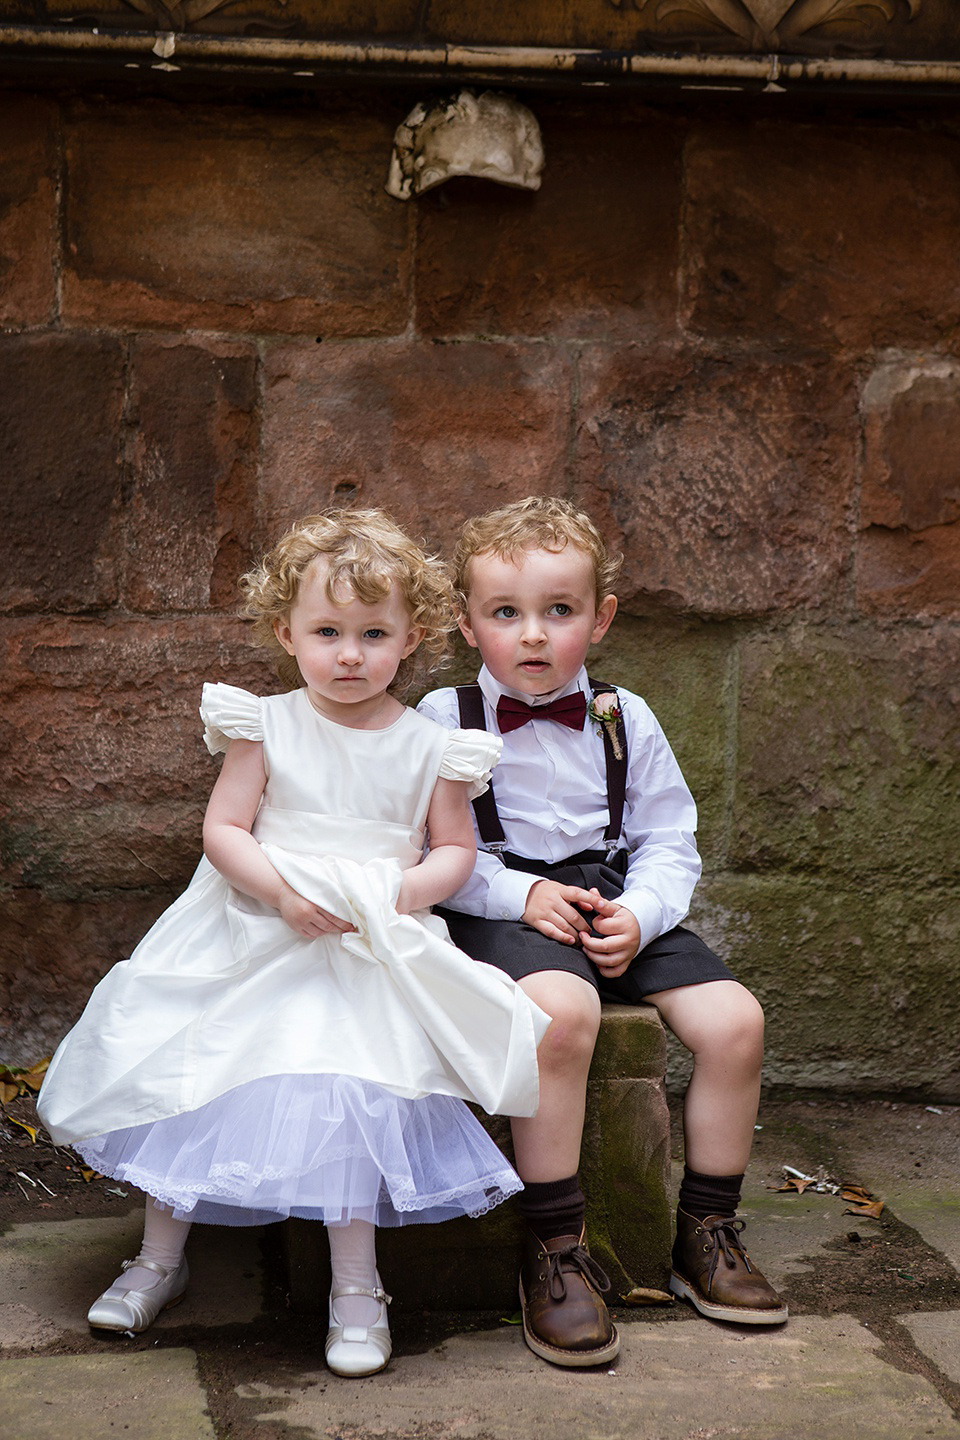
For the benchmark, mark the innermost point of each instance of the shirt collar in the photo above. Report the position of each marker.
(492, 689)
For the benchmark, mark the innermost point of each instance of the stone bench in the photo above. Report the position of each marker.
(472, 1264)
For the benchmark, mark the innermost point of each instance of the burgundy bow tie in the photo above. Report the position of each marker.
(569, 710)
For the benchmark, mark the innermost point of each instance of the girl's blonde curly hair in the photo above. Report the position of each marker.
(368, 556)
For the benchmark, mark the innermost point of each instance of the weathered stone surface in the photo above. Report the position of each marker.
(909, 548)
(52, 954)
(853, 977)
(107, 772)
(429, 432)
(726, 482)
(592, 253)
(90, 1395)
(847, 754)
(795, 234)
(687, 677)
(60, 411)
(624, 1170)
(189, 521)
(245, 220)
(28, 236)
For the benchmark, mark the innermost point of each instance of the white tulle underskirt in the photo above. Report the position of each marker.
(322, 1147)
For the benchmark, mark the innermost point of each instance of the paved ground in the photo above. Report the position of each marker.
(872, 1349)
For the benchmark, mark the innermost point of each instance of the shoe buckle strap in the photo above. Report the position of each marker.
(376, 1294)
(140, 1263)
(572, 1259)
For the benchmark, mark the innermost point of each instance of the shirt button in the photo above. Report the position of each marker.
(504, 914)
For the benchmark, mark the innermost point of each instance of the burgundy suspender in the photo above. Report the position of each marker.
(470, 702)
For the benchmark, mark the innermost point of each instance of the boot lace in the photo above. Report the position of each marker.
(570, 1260)
(724, 1231)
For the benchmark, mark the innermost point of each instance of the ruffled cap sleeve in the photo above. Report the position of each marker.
(470, 756)
(229, 714)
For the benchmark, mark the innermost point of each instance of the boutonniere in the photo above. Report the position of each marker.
(604, 710)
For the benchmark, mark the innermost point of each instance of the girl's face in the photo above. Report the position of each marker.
(348, 652)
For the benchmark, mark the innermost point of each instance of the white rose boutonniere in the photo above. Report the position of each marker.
(604, 710)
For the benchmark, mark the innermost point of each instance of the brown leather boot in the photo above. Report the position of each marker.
(712, 1270)
(565, 1319)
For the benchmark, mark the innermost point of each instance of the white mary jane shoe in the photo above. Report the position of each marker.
(136, 1310)
(355, 1350)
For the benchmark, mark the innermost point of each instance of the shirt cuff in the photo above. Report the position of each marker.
(645, 908)
(507, 895)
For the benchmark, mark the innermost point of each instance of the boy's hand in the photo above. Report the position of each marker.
(307, 919)
(617, 939)
(550, 910)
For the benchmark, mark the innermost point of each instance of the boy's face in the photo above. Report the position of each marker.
(533, 617)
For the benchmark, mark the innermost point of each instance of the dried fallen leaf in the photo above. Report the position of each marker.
(642, 1295)
(797, 1186)
(872, 1208)
(30, 1129)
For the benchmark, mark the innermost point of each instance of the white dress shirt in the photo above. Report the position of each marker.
(551, 794)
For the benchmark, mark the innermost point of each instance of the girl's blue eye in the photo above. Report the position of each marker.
(505, 612)
(326, 630)
(562, 609)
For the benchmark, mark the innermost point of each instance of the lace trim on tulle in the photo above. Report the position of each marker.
(403, 1198)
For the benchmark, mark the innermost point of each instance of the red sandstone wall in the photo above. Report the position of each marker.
(731, 333)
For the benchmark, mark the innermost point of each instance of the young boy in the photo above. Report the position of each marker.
(578, 908)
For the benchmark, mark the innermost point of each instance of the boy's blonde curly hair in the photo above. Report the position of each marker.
(541, 522)
(368, 556)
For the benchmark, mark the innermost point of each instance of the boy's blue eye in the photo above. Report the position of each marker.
(326, 630)
(374, 634)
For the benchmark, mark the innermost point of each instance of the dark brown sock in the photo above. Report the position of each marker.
(553, 1207)
(703, 1195)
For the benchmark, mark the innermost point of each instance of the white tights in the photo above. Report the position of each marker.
(163, 1242)
(353, 1261)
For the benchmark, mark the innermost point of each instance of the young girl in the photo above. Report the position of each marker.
(296, 1035)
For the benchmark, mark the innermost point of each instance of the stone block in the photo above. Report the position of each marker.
(428, 432)
(592, 253)
(687, 677)
(854, 978)
(189, 518)
(473, 1264)
(794, 234)
(725, 481)
(28, 215)
(217, 217)
(908, 560)
(108, 774)
(847, 757)
(52, 954)
(61, 399)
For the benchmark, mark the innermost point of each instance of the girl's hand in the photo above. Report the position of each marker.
(307, 919)
(617, 939)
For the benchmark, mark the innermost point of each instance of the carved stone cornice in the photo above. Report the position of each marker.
(886, 43)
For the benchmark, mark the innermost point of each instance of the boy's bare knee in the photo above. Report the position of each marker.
(744, 1028)
(572, 1037)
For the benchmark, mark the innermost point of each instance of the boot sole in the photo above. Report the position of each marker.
(739, 1315)
(569, 1359)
